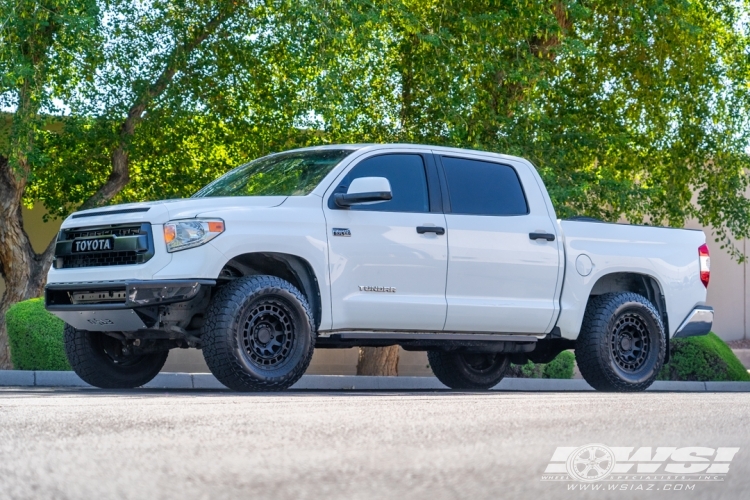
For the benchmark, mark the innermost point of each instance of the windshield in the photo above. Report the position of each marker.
(286, 174)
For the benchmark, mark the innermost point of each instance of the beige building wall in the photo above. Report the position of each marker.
(728, 290)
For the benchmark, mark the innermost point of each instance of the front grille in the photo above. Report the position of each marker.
(101, 259)
(132, 244)
(72, 234)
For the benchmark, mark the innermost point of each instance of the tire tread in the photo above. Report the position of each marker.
(86, 363)
(218, 329)
(447, 368)
(592, 350)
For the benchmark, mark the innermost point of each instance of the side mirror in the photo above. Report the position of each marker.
(365, 190)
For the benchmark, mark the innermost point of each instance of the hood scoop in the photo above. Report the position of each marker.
(104, 213)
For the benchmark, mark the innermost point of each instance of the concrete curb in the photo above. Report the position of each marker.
(54, 379)
(172, 381)
(18, 378)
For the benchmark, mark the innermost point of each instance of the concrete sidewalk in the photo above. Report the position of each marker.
(19, 378)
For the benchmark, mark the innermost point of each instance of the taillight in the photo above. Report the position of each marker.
(705, 264)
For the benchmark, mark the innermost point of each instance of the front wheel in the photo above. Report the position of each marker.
(100, 361)
(468, 370)
(622, 343)
(258, 334)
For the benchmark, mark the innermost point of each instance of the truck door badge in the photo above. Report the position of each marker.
(387, 289)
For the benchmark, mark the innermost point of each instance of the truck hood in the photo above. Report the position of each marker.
(159, 212)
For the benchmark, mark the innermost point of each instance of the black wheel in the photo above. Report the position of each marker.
(98, 359)
(258, 334)
(622, 343)
(468, 370)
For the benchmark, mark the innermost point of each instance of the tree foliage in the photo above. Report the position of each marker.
(225, 101)
(630, 109)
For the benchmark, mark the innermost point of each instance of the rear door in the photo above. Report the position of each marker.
(499, 278)
(385, 273)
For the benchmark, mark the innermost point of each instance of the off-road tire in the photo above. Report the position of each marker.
(469, 371)
(96, 358)
(234, 350)
(622, 343)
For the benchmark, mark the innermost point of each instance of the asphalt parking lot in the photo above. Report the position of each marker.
(148, 444)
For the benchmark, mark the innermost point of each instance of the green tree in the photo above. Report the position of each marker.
(95, 85)
(632, 109)
(38, 44)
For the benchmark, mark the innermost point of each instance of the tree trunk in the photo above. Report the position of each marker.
(23, 270)
(378, 361)
(407, 50)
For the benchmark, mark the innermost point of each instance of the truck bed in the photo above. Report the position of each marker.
(666, 255)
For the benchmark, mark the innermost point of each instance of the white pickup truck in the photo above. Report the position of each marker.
(455, 252)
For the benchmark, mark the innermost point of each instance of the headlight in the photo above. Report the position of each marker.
(180, 235)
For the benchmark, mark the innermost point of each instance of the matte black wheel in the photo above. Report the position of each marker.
(622, 343)
(258, 334)
(99, 360)
(267, 335)
(468, 370)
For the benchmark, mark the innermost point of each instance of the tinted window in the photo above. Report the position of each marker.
(483, 188)
(407, 177)
(285, 174)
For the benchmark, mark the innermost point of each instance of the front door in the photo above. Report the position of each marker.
(385, 275)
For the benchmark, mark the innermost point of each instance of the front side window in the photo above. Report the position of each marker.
(285, 174)
(483, 188)
(406, 174)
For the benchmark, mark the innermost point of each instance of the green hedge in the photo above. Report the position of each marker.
(36, 337)
(560, 367)
(702, 358)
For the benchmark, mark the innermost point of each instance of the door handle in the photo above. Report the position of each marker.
(542, 236)
(430, 229)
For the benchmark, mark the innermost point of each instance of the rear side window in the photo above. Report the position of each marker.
(405, 172)
(483, 188)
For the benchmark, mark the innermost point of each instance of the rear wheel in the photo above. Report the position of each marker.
(622, 343)
(258, 334)
(99, 360)
(468, 370)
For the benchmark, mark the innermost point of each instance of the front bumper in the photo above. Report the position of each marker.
(117, 305)
(698, 322)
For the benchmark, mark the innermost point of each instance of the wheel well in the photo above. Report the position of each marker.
(642, 284)
(291, 268)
